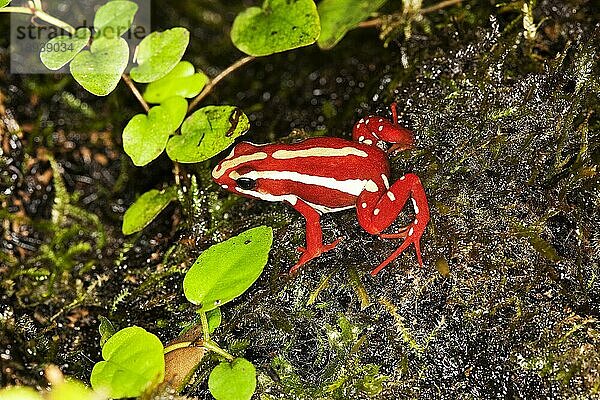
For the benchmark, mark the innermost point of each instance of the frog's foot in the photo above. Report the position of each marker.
(413, 236)
(309, 254)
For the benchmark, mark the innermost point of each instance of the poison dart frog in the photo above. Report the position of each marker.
(328, 174)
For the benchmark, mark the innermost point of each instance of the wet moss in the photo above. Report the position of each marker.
(507, 148)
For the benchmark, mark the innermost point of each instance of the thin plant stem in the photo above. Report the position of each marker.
(443, 4)
(204, 323)
(212, 346)
(213, 82)
(38, 13)
(135, 91)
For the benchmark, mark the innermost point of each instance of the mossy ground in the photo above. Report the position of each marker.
(507, 128)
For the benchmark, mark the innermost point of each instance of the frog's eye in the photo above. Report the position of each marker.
(246, 183)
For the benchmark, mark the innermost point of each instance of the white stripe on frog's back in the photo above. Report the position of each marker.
(350, 186)
(227, 164)
(318, 152)
(290, 198)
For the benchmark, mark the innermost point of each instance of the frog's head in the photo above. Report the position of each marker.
(231, 172)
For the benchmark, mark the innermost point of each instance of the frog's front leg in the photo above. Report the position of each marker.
(314, 235)
(378, 210)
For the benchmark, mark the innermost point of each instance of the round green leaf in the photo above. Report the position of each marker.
(19, 392)
(339, 16)
(181, 81)
(279, 25)
(99, 69)
(206, 133)
(4, 3)
(64, 48)
(159, 53)
(145, 137)
(228, 269)
(134, 363)
(114, 18)
(233, 381)
(146, 208)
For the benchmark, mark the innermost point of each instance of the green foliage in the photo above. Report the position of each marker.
(114, 18)
(214, 319)
(278, 26)
(134, 363)
(159, 53)
(19, 392)
(145, 137)
(106, 329)
(71, 389)
(234, 380)
(4, 3)
(68, 47)
(339, 16)
(99, 69)
(146, 208)
(206, 133)
(181, 81)
(228, 269)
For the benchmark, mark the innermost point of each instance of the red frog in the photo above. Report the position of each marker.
(323, 175)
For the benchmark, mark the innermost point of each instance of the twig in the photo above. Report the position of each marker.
(379, 21)
(207, 89)
(38, 13)
(135, 92)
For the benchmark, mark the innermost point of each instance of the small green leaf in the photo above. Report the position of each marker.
(145, 137)
(339, 16)
(206, 133)
(114, 18)
(134, 363)
(70, 389)
(228, 269)
(279, 25)
(233, 381)
(181, 81)
(64, 48)
(106, 329)
(4, 3)
(146, 208)
(19, 392)
(214, 319)
(159, 53)
(99, 70)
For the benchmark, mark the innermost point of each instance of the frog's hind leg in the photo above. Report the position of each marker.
(377, 214)
(374, 130)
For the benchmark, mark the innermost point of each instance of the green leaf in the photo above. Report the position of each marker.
(145, 137)
(226, 270)
(114, 18)
(106, 330)
(64, 49)
(134, 363)
(339, 16)
(19, 392)
(206, 133)
(146, 208)
(279, 25)
(159, 53)
(233, 381)
(4, 3)
(99, 69)
(71, 389)
(214, 319)
(181, 81)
